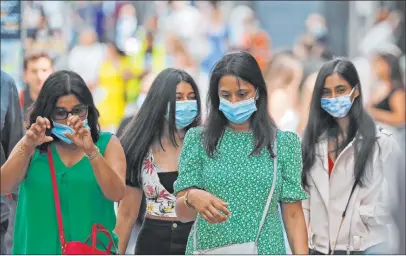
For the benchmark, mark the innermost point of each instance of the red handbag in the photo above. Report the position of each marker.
(76, 247)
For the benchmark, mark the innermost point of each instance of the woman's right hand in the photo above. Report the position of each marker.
(211, 208)
(35, 136)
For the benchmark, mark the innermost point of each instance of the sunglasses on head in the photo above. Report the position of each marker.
(61, 113)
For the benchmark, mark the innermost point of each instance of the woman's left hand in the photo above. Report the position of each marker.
(82, 137)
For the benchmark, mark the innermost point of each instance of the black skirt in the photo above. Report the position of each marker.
(162, 237)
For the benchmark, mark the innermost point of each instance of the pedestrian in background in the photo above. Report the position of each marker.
(11, 127)
(37, 68)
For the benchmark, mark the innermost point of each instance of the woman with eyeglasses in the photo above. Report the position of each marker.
(345, 160)
(227, 170)
(152, 143)
(90, 169)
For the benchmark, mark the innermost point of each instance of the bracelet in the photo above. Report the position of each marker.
(186, 201)
(94, 155)
(22, 149)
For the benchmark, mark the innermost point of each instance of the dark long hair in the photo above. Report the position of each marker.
(395, 72)
(361, 126)
(244, 67)
(148, 125)
(62, 83)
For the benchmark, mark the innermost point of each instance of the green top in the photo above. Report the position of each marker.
(244, 182)
(82, 204)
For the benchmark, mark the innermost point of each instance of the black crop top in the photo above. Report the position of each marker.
(384, 104)
(167, 179)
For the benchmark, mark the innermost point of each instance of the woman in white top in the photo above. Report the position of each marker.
(344, 159)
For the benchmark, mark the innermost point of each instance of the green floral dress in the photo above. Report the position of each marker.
(244, 182)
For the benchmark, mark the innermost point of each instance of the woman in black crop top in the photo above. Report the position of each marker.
(152, 142)
(387, 104)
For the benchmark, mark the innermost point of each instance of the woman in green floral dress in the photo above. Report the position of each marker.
(226, 168)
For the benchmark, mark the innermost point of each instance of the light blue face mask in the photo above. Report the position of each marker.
(185, 113)
(338, 107)
(59, 131)
(238, 112)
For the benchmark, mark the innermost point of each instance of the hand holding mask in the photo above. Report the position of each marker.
(76, 132)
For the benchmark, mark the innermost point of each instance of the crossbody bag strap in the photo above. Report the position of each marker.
(268, 203)
(269, 200)
(57, 201)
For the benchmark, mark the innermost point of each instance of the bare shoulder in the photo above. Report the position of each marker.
(114, 145)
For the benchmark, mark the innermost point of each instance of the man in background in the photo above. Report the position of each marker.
(37, 68)
(11, 127)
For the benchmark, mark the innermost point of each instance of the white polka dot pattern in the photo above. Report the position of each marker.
(244, 182)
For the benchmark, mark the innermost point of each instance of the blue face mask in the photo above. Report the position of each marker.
(338, 107)
(59, 131)
(185, 113)
(318, 30)
(238, 112)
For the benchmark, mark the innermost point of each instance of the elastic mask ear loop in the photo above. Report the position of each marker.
(352, 91)
(256, 96)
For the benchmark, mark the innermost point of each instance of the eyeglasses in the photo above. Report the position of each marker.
(61, 113)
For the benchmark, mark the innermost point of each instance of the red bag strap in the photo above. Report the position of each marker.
(99, 228)
(57, 201)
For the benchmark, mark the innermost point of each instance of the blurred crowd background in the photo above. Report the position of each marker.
(119, 46)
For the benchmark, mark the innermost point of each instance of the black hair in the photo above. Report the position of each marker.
(244, 67)
(361, 126)
(395, 72)
(58, 84)
(147, 126)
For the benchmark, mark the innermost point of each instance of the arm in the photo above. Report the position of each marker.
(110, 170)
(14, 169)
(190, 180)
(127, 215)
(211, 208)
(183, 212)
(395, 117)
(295, 224)
(293, 193)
